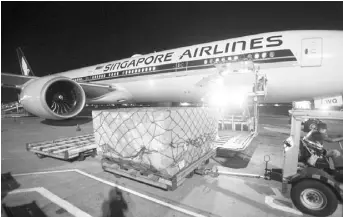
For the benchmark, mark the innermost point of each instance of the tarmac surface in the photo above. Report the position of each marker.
(82, 188)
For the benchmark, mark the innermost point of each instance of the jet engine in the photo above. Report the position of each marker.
(53, 97)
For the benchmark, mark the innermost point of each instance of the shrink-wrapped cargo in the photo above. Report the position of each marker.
(158, 140)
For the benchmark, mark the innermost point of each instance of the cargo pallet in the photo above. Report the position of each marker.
(118, 167)
(65, 148)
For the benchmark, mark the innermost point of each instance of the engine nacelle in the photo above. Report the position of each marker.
(53, 97)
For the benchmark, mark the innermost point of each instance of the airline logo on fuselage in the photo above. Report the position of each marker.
(199, 52)
(198, 58)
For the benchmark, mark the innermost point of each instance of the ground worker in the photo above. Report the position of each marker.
(318, 134)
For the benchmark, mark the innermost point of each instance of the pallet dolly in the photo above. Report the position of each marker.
(125, 169)
(65, 148)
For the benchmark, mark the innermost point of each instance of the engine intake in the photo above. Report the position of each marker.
(63, 97)
(53, 97)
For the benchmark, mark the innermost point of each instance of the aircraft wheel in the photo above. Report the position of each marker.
(314, 198)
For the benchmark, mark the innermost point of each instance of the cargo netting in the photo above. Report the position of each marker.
(164, 140)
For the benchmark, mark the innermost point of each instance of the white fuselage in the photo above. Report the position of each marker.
(299, 65)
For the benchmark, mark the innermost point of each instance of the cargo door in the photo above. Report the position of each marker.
(311, 52)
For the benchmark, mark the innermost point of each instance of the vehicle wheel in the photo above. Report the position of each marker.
(94, 153)
(190, 175)
(40, 155)
(314, 198)
(81, 157)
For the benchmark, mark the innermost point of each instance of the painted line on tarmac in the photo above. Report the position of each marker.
(163, 203)
(269, 200)
(55, 199)
(43, 172)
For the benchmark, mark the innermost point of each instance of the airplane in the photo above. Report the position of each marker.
(298, 65)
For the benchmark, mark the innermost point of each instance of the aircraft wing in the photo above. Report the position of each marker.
(14, 81)
(17, 81)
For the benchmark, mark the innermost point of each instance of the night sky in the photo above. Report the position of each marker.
(58, 36)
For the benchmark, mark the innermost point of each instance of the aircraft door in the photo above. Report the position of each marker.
(311, 52)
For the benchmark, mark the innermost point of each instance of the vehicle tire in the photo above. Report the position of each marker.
(81, 157)
(190, 175)
(94, 153)
(40, 155)
(102, 162)
(314, 197)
